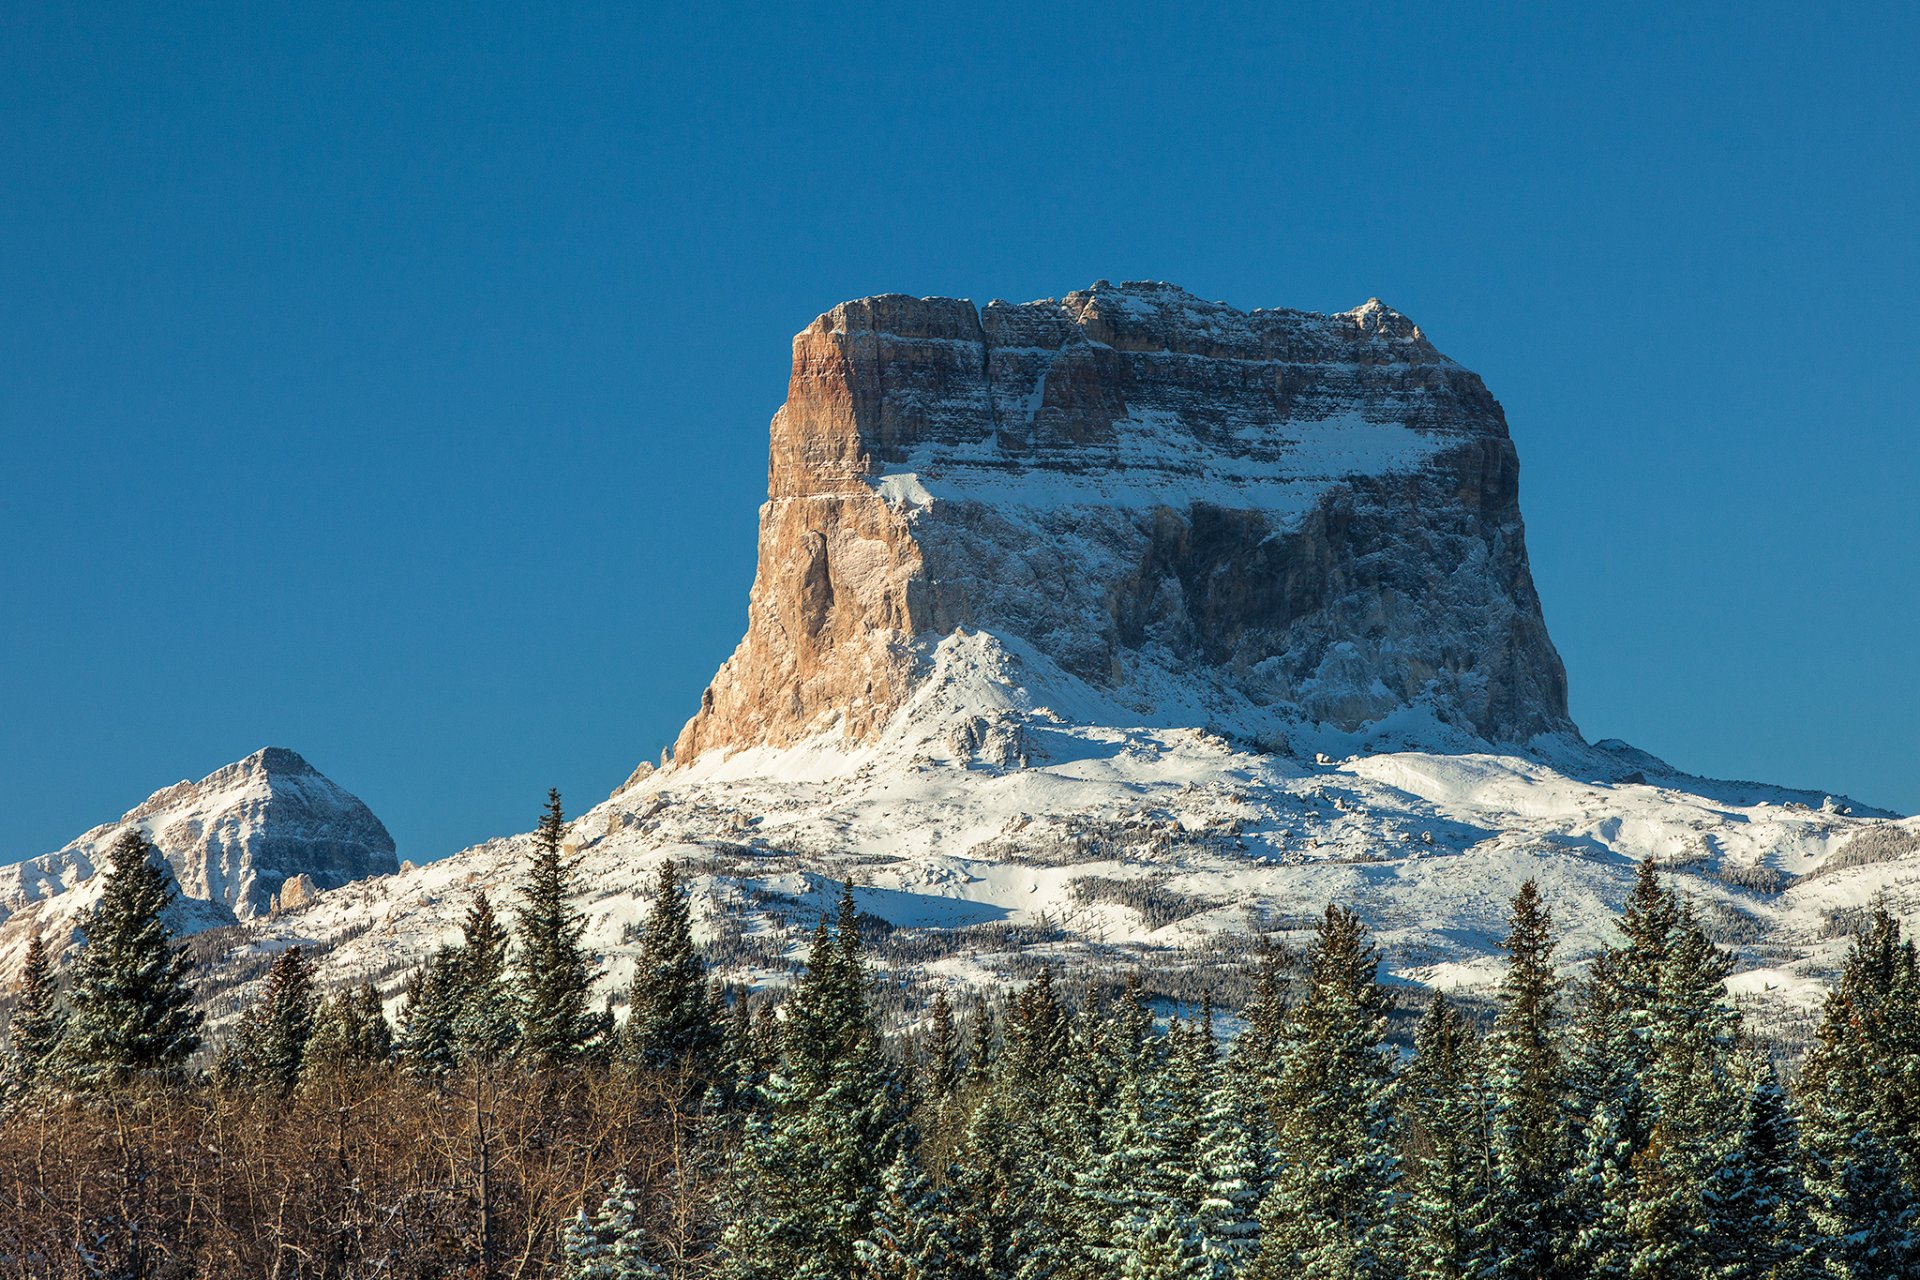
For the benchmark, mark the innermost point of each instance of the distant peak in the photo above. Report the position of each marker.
(1377, 317)
(283, 760)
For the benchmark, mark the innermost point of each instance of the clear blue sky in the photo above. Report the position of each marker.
(391, 382)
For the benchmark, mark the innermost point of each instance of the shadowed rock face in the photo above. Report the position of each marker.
(1316, 517)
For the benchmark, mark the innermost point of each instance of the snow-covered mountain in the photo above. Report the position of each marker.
(232, 840)
(1129, 625)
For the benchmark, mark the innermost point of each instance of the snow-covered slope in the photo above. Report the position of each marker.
(232, 840)
(1012, 807)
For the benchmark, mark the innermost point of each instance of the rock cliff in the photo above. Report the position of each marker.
(1297, 521)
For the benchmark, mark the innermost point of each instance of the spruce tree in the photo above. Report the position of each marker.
(670, 1020)
(267, 1049)
(1327, 1214)
(1529, 1131)
(350, 1034)
(609, 1244)
(38, 1019)
(553, 974)
(1449, 1191)
(1860, 1089)
(483, 1023)
(427, 1044)
(131, 1003)
(913, 1235)
(1756, 1202)
(810, 1173)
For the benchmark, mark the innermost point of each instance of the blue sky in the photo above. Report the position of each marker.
(391, 382)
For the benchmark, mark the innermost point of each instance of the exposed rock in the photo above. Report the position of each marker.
(1312, 519)
(297, 892)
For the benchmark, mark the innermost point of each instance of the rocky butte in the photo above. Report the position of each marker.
(1286, 520)
(1124, 627)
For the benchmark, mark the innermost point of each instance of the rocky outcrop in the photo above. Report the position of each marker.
(1311, 520)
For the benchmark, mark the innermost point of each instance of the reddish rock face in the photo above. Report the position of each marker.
(1315, 518)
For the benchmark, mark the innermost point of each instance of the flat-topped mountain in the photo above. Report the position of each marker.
(1292, 522)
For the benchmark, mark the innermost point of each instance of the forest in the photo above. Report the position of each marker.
(1618, 1123)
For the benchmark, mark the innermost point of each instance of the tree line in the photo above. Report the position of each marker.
(1621, 1125)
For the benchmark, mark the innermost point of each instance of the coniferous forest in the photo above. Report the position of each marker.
(1623, 1124)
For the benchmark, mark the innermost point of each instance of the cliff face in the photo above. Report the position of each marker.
(1313, 518)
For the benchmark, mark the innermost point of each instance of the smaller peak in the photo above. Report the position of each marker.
(1376, 317)
(282, 760)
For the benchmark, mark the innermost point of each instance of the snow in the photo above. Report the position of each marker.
(1005, 784)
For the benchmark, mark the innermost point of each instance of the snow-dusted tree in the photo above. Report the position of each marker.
(1230, 1168)
(131, 1005)
(38, 1019)
(1756, 1202)
(1529, 1130)
(425, 1043)
(1327, 1215)
(1860, 1089)
(552, 974)
(350, 1034)
(266, 1050)
(484, 1027)
(913, 1235)
(1166, 1246)
(810, 1172)
(609, 1244)
(670, 1023)
(1446, 1113)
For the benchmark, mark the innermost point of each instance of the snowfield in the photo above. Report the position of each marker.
(1011, 808)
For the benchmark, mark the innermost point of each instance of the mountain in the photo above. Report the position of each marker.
(1133, 627)
(1277, 521)
(231, 840)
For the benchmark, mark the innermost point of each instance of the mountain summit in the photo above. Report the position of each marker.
(1278, 523)
(232, 840)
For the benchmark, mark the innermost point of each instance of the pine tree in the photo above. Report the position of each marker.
(1449, 1167)
(1166, 1247)
(610, 1244)
(913, 1235)
(426, 1043)
(670, 1023)
(1756, 1202)
(38, 1020)
(483, 1026)
(810, 1173)
(131, 1005)
(1860, 1089)
(1529, 1128)
(350, 1034)
(267, 1049)
(552, 969)
(1326, 1216)
(1231, 1172)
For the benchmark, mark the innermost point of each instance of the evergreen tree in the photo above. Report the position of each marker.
(350, 1033)
(1756, 1202)
(1448, 1203)
(670, 1023)
(609, 1244)
(38, 1019)
(1326, 1216)
(483, 1026)
(426, 1044)
(267, 1049)
(1231, 1172)
(131, 1006)
(1529, 1130)
(913, 1235)
(1860, 1089)
(811, 1171)
(553, 972)
(1166, 1247)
